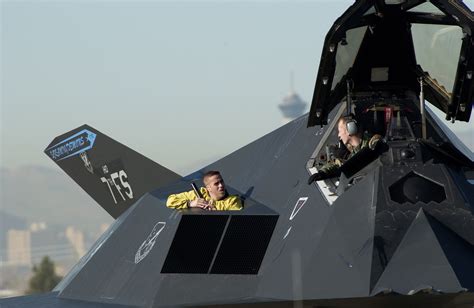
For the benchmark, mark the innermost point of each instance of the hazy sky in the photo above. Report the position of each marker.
(177, 81)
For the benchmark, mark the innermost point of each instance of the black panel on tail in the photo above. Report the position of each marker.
(112, 174)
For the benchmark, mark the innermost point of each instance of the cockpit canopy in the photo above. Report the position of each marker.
(384, 47)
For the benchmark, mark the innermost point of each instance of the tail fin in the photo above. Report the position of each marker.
(111, 173)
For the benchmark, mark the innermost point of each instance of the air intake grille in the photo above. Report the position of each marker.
(202, 244)
(414, 188)
(194, 244)
(244, 245)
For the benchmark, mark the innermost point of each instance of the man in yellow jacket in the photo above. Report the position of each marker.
(214, 196)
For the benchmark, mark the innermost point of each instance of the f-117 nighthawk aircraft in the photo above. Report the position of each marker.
(394, 228)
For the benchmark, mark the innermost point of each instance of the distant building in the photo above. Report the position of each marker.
(76, 238)
(9, 293)
(292, 105)
(7, 222)
(38, 226)
(51, 241)
(19, 247)
(103, 228)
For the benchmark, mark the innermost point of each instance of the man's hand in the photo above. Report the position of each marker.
(373, 142)
(201, 203)
(317, 177)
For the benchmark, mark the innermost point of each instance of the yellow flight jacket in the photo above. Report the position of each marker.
(180, 201)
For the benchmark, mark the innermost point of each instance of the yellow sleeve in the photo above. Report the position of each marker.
(231, 203)
(180, 201)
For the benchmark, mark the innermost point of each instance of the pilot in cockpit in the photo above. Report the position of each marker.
(353, 139)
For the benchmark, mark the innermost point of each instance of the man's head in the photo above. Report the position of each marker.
(214, 184)
(343, 133)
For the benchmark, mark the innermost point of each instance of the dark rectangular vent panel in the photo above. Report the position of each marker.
(244, 245)
(194, 244)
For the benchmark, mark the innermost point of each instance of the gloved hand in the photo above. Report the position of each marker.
(317, 177)
(374, 141)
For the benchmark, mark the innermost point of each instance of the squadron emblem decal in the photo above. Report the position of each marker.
(74, 145)
(87, 162)
(148, 244)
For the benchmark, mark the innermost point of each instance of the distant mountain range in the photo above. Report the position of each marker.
(39, 194)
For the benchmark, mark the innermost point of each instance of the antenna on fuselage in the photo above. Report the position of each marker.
(422, 109)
